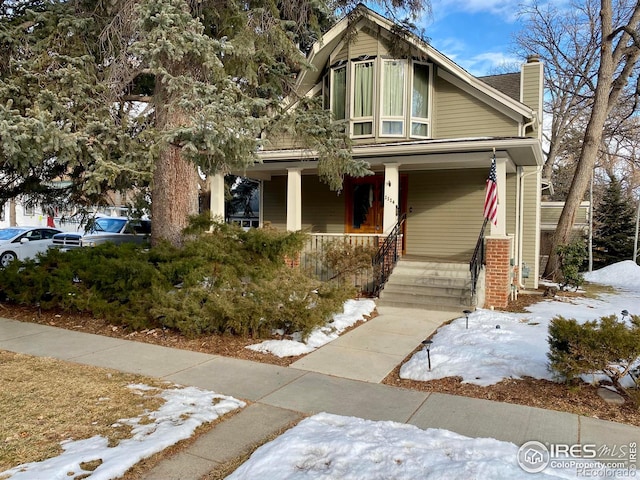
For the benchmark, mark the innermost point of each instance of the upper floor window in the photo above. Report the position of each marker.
(420, 100)
(362, 117)
(339, 92)
(392, 117)
(380, 97)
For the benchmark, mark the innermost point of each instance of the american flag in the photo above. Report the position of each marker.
(491, 195)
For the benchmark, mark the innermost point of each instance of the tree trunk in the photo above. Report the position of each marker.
(604, 98)
(174, 195)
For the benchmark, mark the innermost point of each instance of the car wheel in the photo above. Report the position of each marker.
(6, 258)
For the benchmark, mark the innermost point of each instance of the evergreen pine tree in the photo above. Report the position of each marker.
(614, 226)
(75, 77)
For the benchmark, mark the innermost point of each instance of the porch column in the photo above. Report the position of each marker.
(294, 199)
(216, 187)
(391, 196)
(501, 174)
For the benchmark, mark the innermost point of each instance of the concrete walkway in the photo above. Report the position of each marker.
(371, 351)
(279, 396)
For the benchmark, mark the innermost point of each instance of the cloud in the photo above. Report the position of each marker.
(485, 63)
(504, 8)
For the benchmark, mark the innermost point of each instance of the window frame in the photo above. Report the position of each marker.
(367, 119)
(334, 90)
(393, 118)
(421, 120)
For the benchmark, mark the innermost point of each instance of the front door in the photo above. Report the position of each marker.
(365, 204)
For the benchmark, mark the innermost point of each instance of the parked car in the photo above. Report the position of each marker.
(106, 229)
(24, 242)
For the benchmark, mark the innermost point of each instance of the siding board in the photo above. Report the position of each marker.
(459, 115)
(445, 212)
(274, 202)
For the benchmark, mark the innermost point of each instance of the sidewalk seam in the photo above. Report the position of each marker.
(419, 407)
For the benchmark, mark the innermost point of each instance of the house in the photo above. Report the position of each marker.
(549, 215)
(429, 130)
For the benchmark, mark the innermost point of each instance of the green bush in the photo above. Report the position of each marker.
(571, 258)
(345, 261)
(609, 346)
(225, 281)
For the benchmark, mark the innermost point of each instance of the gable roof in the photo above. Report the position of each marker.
(321, 51)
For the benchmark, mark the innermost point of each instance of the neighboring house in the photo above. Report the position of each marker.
(428, 129)
(549, 216)
(17, 212)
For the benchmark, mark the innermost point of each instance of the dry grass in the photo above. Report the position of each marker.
(45, 401)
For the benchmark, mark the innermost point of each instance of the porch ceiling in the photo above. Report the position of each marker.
(418, 155)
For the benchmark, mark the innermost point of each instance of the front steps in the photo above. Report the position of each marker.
(429, 285)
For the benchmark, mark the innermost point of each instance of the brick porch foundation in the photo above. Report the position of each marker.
(498, 272)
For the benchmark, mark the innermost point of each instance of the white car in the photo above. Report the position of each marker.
(24, 242)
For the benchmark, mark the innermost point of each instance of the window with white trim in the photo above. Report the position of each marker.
(362, 105)
(29, 209)
(339, 92)
(420, 99)
(392, 117)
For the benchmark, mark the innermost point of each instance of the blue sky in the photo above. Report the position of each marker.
(476, 34)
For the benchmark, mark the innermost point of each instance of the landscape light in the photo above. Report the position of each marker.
(427, 344)
(466, 314)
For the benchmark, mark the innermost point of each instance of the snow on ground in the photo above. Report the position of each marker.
(354, 311)
(500, 345)
(625, 275)
(328, 446)
(184, 410)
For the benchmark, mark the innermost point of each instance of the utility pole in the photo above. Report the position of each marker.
(635, 243)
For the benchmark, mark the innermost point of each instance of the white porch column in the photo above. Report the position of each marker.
(216, 187)
(294, 199)
(501, 173)
(391, 196)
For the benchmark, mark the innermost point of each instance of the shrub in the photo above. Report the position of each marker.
(226, 281)
(345, 261)
(609, 346)
(571, 258)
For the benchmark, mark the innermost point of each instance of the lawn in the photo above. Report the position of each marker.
(58, 416)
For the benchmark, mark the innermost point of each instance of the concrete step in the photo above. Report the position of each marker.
(420, 306)
(422, 290)
(442, 281)
(416, 264)
(429, 272)
(428, 285)
(426, 301)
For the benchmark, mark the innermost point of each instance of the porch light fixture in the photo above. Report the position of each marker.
(466, 314)
(427, 345)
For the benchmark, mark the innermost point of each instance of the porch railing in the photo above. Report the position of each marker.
(477, 261)
(316, 248)
(387, 256)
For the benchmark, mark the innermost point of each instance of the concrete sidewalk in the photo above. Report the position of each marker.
(280, 396)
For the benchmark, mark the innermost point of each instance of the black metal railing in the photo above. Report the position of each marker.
(477, 261)
(387, 256)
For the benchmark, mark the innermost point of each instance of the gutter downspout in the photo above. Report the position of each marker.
(520, 221)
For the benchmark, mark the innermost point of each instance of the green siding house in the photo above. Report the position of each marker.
(429, 130)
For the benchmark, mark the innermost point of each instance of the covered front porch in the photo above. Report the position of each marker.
(438, 185)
